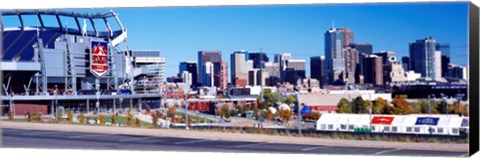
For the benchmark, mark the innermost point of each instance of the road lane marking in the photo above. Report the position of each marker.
(193, 141)
(88, 135)
(38, 133)
(247, 145)
(133, 139)
(386, 151)
(312, 148)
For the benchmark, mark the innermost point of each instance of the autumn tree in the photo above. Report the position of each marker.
(69, 115)
(313, 116)
(381, 106)
(10, 115)
(286, 115)
(401, 105)
(344, 106)
(171, 113)
(36, 116)
(155, 117)
(102, 119)
(358, 105)
(81, 118)
(225, 111)
(114, 118)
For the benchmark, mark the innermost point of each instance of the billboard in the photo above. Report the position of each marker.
(98, 58)
(382, 120)
(427, 121)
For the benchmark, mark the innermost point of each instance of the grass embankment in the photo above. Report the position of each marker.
(193, 117)
(119, 119)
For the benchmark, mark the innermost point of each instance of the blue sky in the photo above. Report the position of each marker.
(179, 32)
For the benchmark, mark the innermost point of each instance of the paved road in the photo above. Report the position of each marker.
(18, 138)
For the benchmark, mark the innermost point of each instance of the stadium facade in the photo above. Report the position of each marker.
(75, 65)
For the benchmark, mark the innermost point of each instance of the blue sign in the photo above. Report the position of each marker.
(427, 121)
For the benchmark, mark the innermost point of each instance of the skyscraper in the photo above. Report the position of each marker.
(282, 63)
(222, 76)
(209, 77)
(351, 62)
(422, 57)
(190, 67)
(317, 69)
(387, 56)
(272, 69)
(295, 69)
(374, 67)
(406, 63)
(240, 66)
(335, 40)
(444, 48)
(366, 48)
(257, 59)
(214, 57)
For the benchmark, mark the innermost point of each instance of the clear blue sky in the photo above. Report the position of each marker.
(179, 32)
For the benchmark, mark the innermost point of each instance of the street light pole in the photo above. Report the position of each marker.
(428, 103)
(370, 110)
(299, 115)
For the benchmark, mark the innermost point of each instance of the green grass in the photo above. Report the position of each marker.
(123, 120)
(192, 116)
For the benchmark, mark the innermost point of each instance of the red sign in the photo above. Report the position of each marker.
(382, 120)
(98, 58)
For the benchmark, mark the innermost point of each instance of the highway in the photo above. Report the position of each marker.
(18, 138)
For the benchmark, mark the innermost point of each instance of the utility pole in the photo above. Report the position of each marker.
(428, 103)
(299, 115)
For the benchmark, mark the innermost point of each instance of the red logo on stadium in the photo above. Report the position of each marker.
(382, 120)
(99, 58)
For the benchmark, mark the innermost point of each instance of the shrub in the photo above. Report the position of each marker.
(155, 119)
(81, 118)
(102, 119)
(59, 116)
(36, 116)
(129, 118)
(10, 115)
(29, 116)
(114, 119)
(69, 115)
(137, 122)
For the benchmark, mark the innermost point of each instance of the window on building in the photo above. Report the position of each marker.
(394, 129)
(386, 128)
(323, 126)
(417, 129)
(350, 127)
(330, 126)
(343, 127)
(409, 129)
(439, 130)
(455, 130)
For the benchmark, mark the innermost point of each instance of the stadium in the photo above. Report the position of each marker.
(59, 65)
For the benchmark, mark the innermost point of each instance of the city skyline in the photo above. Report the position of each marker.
(295, 29)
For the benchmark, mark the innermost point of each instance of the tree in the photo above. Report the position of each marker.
(269, 99)
(69, 115)
(129, 117)
(155, 116)
(102, 119)
(225, 111)
(114, 119)
(137, 122)
(343, 106)
(358, 105)
(424, 107)
(29, 116)
(286, 115)
(81, 118)
(291, 99)
(401, 105)
(442, 107)
(416, 108)
(171, 112)
(10, 115)
(36, 116)
(381, 106)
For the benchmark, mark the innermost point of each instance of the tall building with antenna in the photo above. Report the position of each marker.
(336, 39)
